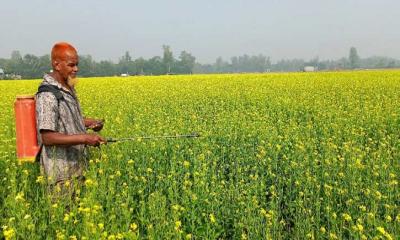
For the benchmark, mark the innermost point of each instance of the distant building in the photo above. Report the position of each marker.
(124, 75)
(309, 69)
(1, 73)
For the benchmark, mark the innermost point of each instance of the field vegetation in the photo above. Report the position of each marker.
(281, 156)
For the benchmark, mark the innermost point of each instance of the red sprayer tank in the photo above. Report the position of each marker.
(25, 125)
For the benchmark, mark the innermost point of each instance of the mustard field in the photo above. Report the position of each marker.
(281, 156)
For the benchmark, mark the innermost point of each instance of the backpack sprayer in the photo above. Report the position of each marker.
(26, 133)
(25, 127)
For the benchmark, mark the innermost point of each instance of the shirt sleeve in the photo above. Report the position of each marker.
(47, 111)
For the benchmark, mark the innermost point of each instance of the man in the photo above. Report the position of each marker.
(60, 124)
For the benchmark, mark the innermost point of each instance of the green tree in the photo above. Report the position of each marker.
(154, 66)
(220, 65)
(126, 65)
(354, 59)
(186, 63)
(127, 57)
(140, 64)
(86, 66)
(30, 66)
(105, 68)
(15, 64)
(168, 58)
(235, 64)
(44, 64)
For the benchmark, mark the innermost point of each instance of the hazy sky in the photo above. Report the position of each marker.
(207, 29)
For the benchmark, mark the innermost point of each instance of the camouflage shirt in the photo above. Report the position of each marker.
(60, 163)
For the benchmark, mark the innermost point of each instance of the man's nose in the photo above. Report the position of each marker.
(75, 69)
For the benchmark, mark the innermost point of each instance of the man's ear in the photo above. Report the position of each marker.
(56, 65)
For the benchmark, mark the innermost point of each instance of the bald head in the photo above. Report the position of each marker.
(61, 51)
(64, 60)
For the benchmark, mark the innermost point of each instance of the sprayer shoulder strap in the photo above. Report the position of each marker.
(53, 89)
(57, 93)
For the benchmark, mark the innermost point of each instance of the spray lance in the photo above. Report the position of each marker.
(114, 140)
(191, 135)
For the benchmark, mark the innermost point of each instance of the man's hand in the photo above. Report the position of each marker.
(94, 140)
(94, 124)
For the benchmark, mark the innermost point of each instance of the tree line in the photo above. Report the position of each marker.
(261, 63)
(31, 66)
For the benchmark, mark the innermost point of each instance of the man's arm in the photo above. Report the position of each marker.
(47, 113)
(55, 138)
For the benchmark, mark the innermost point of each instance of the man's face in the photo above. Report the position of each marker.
(68, 65)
